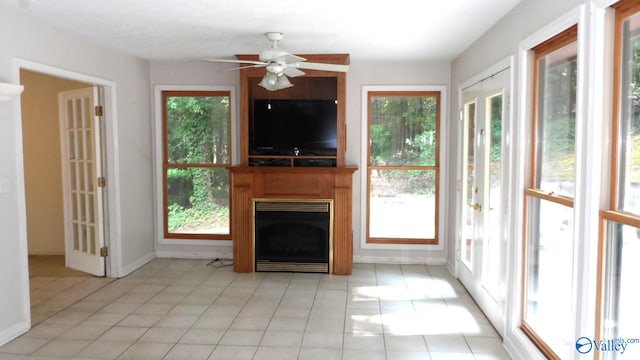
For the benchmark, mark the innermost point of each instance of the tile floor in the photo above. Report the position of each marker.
(185, 309)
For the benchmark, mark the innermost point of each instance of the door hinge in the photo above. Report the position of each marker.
(98, 110)
(104, 251)
(102, 182)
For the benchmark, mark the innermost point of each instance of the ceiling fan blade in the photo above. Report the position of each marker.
(235, 61)
(292, 71)
(320, 66)
(292, 58)
(246, 67)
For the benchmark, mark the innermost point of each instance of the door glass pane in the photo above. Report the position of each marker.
(548, 277)
(71, 141)
(197, 129)
(557, 75)
(629, 193)
(91, 178)
(88, 144)
(471, 189)
(491, 258)
(198, 200)
(402, 204)
(403, 130)
(80, 168)
(73, 179)
(621, 310)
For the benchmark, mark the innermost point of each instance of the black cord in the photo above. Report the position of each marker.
(220, 262)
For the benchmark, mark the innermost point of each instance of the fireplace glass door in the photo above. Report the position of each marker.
(292, 235)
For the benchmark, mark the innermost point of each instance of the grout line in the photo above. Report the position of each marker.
(383, 277)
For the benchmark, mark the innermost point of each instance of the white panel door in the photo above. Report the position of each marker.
(83, 181)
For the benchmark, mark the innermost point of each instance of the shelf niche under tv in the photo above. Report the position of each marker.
(314, 85)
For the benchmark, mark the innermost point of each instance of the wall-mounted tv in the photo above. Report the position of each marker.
(293, 127)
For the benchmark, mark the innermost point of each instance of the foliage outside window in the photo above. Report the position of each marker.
(620, 226)
(196, 128)
(403, 167)
(549, 243)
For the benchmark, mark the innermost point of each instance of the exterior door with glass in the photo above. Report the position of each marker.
(481, 248)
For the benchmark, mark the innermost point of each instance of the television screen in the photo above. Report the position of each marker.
(293, 127)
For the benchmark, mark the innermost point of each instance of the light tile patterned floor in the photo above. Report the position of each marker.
(184, 309)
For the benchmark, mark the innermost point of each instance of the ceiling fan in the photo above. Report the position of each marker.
(280, 64)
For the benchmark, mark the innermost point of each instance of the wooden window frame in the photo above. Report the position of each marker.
(166, 165)
(436, 168)
(623, 11)
(566, 37)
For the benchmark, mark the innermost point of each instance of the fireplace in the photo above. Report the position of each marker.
(293, 235)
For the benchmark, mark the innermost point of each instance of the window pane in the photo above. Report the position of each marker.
(557, 121)
(403, 130)
(198, 200)
(492, 259)
(470, 114)
(197, 129)
(469, 212)
(402, 204)
(622, 312)
(629, 194)
(548, 276)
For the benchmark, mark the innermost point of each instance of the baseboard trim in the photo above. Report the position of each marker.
(178, 254)
(399, 260)
(126, 270)
(14, 331)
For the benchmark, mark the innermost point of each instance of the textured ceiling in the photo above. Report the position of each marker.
(398, 30)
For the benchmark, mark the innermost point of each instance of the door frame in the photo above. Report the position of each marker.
(509, 181)
(112, 208)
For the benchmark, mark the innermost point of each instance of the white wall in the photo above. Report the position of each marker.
(360, 74)
(188, 75)
(130, 178)
(385, 73)
(500, 42)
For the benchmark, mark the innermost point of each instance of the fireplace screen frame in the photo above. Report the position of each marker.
(301, 206)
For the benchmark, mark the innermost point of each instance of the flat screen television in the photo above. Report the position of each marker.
(293, 127)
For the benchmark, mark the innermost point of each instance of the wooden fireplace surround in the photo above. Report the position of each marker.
(293, 183)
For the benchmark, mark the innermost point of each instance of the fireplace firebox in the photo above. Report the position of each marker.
(292, 236)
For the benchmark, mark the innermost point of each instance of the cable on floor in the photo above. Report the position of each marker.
(220, 262)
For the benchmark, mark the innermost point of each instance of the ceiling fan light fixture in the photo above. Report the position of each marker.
(274, 82)
(269, 81)
(283, 82)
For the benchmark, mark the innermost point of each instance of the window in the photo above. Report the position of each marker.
(196, 152)
(403, 167)
(549, 243)
(620, 226)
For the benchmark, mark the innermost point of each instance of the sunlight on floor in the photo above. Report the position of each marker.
(419, 311)
(179, 308)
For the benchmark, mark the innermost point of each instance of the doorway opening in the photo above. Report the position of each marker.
(55, 281)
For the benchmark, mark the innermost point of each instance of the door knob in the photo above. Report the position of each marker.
(476, 207)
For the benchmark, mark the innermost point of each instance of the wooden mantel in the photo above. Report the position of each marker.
(331, 183)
